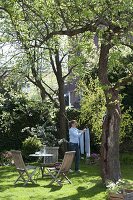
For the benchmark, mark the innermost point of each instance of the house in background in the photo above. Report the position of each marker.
(72, 99)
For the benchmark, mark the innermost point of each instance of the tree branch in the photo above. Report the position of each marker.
(62, 14)
(61, 60)
(70, 71)
(52, 62)
(87, 27)
(10, 59)
(4, 74)
(30, 79)
(124, 81)
(42, 89)
(48, 86)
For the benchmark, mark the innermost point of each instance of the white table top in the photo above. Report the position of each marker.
(41, 155)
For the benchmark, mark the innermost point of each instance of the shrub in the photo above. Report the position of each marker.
(17, 113)
(30, 145)
(45, 133)
(93, 107)
(73, 113)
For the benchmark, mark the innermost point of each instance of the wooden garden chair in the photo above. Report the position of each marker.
(24, 175)
(59, 173)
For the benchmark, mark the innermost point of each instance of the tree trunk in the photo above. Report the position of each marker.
(62, 119)
(60, 80)
(111, 123)
(110, 141)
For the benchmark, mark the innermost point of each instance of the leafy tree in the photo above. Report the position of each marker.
(111, 23)
(36, 60)
(93, 110)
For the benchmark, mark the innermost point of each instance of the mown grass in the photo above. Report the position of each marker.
(86, 185)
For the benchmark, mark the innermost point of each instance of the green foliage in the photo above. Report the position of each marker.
(16, 114)
(35, 22)
(119, 187)
(93, 107)
(50, 140)
(46, 133)
(31, 145)
(120, 63)
(73, 114)
(126, 131)
(93, 110)
(126, 159)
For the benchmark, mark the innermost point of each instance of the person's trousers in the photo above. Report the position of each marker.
(75, 147)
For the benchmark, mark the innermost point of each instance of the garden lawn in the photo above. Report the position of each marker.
(86, 185)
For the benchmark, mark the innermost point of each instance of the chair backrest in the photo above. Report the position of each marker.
(67, 161)
(18, 160)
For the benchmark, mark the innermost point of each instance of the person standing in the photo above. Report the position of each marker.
(74, 135)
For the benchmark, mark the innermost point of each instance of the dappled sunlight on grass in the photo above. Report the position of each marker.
(86, 185)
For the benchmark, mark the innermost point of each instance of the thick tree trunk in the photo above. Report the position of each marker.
(111, 123)
(110, 141)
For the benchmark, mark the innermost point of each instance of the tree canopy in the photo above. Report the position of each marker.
(34, 28)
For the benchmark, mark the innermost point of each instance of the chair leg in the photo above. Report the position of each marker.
(52, 181)
(20, 176)
(17, 180)
(42, 171)
(67, 178)
(51, 174)
(55, 178)
(28, 180)
(30, 177)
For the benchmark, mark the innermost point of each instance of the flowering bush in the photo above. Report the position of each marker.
(45, 134)
(119, 187)
(94, 157)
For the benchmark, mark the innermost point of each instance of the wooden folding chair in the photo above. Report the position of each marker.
(24, 175)
(60, 173)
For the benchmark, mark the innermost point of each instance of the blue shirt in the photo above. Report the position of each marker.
(74, 135)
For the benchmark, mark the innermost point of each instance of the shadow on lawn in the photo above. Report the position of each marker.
(53, 187)
(29, 185)
(8, 175)
(5, 187)
(20, 185)
(7, 172)
(84, 192)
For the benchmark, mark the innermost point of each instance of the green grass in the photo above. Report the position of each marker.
(126, 158)
(86, 185)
